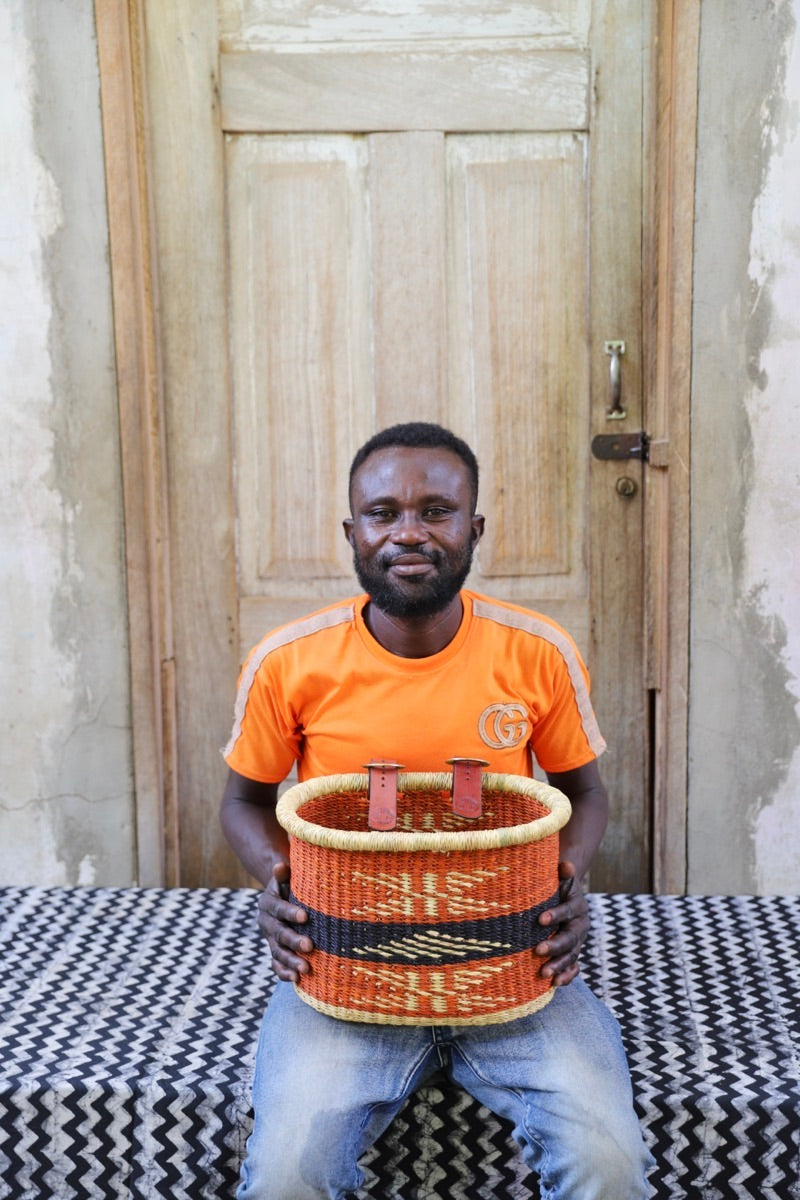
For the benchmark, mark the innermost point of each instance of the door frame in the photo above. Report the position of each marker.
(167, 584)
(668, 293)
(141, 420)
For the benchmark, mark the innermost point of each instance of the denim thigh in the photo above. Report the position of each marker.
(561, 1076)
(323, 1092)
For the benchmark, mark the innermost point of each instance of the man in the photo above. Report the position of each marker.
(411, 671)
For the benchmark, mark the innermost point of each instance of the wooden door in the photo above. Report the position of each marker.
(376, 213)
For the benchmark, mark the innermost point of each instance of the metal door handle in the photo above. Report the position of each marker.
(615, 412)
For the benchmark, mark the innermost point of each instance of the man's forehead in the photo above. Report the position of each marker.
(398, 463)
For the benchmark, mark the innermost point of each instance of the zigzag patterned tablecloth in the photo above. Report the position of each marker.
(128, 1021)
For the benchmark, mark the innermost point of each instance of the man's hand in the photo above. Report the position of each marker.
(276, 918)
(253, 830)
(571, 916)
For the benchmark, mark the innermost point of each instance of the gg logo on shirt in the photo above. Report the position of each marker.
(503, 725)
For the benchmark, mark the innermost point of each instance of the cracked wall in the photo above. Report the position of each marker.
(744, 717)
(66, 802)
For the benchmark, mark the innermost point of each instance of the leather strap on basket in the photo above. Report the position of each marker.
(383, 794)
(466, 792)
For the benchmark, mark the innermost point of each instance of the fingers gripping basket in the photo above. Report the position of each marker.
(434, 922)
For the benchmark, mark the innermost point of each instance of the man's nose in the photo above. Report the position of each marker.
(410, 529)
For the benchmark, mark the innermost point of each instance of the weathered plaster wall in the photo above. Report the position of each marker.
(744, 777)
(66, 805)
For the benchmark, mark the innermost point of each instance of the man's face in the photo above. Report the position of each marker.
(412, 529)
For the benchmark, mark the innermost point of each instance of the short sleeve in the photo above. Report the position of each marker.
(264, 741)
(567, 735)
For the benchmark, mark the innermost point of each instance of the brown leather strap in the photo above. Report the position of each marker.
(383, 794)
(467, 773)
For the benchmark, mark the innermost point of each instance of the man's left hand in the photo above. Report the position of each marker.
(571, 917)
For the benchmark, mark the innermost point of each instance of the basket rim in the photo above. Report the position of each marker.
(392, 841)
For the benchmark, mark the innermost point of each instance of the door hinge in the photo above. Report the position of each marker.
(626, 446)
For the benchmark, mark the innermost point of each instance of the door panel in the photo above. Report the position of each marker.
(519, 351)
(275, 21)
(300, 307)
(400, 89)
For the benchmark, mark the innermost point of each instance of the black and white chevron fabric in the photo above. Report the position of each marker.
(128, 1021)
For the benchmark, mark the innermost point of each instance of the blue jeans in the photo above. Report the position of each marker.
(325, 1089)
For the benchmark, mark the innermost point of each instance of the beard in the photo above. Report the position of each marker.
(414, 597)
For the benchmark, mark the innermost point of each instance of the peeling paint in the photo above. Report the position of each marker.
(66, 800)
(32, 510)
(744, 727)
(771, 568)
(270, 21)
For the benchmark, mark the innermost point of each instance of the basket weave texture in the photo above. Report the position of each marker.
(433, 923)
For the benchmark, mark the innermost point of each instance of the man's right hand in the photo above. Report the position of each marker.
(276, 920)
(251, 826)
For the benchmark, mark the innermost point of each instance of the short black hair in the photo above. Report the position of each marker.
(416, 435)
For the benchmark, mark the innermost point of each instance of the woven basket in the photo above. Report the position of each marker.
(434, 922)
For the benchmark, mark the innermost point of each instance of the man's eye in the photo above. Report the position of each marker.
(437, 512)
(381, 514)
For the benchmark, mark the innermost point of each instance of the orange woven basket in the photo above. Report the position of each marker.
(434, 922)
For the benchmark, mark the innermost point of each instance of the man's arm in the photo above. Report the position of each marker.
(248, 820)
(584, 831)
(578, 841)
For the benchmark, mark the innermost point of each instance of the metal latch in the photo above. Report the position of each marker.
(626, 446)
(621, 446)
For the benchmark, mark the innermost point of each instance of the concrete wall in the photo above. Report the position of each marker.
(744, 779)
(66, 803)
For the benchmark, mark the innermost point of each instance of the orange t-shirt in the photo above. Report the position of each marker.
(322, 691)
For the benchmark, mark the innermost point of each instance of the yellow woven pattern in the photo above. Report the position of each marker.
(345, 1013)
(391, 896)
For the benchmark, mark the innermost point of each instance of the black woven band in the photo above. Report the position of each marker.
(427, 944)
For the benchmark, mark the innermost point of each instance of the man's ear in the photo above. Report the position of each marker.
(478, 523)
(347, 526)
